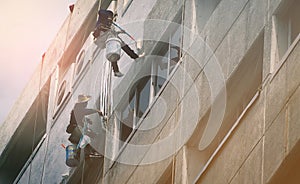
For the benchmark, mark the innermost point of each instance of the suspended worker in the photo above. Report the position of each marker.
(103, 31)
(79, 111)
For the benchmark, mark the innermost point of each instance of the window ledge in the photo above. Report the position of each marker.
(131, 135)
(286, 56)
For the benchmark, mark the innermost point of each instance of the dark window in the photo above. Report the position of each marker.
(288, 25)
(136, 106)
(25, 139)
(168, 57)
(127, 119)
(143, 91)
(80, 62)
(61, 93)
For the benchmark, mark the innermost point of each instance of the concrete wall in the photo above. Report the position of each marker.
(263, 137)
(230, 33)
(64, 49)
(257, 159)
(65, 36)
(48, 164)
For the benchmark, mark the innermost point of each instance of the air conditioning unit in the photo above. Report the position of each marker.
(64, 91)
(83, 61)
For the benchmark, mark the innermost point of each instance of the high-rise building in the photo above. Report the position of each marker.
(213, 96)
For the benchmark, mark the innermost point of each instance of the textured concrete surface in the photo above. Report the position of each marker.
(251, 171)
(274, 145)
(235, 31)
(53, 55)
(293, 120)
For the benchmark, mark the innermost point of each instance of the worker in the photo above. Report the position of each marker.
(101, 33)
(104, 22)
(79, 111)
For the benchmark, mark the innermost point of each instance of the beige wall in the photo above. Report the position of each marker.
(265, 134)
(238, 33)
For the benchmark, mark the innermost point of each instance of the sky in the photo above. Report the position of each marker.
(27, 29)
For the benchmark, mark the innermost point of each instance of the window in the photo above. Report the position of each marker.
(80, 61)
(242, 89)
(145, 89)
(138, 102)
(163, 66)
(288, 25)
(61, 93)
(64, 91)
(73, 46)
(26, 140)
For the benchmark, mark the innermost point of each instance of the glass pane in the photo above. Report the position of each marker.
(127, 116)
(159, 83)
(295, 24)
(162, 72)
(175, 42)
(127, 120)
(144, 94)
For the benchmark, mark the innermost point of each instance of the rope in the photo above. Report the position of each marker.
(48, 137)
(83, 152)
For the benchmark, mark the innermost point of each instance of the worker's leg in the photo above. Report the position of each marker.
(116, 69)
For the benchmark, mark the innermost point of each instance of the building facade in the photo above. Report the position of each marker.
(212, 98)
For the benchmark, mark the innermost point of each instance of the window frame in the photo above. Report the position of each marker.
(283, 40)
(170, 72)
(135, 119)
(153, 97)
(31, 132)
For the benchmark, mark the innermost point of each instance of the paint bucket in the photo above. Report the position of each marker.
(71, 156)
(113, 49)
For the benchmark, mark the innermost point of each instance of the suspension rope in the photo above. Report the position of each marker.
(49, 134)
(83, 150)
